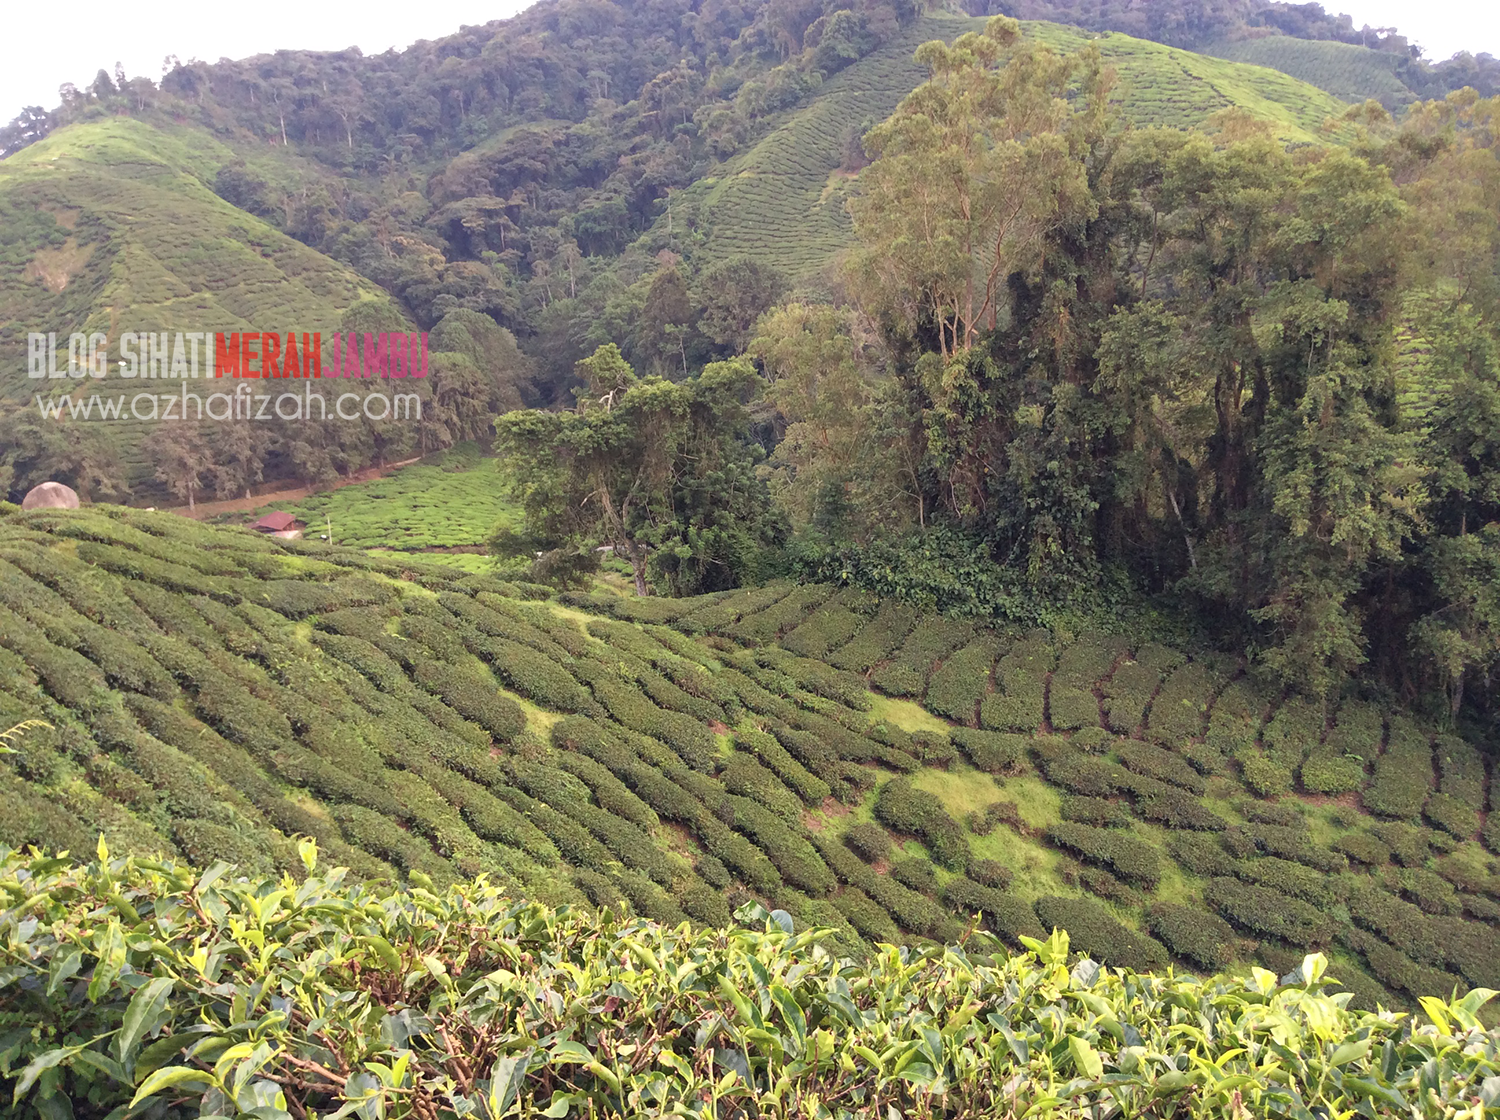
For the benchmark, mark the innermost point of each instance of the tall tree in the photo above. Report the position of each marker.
(660, 472)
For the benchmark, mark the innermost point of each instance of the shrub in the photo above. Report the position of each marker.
(905, 808)
(1409, 846)
(915, 873)
(766, 624)
(1080, 773)
(810, 788)
(989, 873)
(693, 742)
(748, 778)
(1265, 776)
(490, 817)
(1399, 971)
(1094, 931)
(866, 916)
(1127, 855)
(1095, 740)
(993, 752)
(1337, 765)
(1096, 811)
(795, 858)
(1363, 847)
(610, 792)
(825, 629)
(1127, 694)
(535, 676)
(820, 679)
(1430, 891)
(962, 680)
(1071, 708)
(1087, 661)
(885, 632)
(474, 698)
(1200, 853)
(1293, 730)
(1235, 718)
(1293, 879)
(1451, 815)
(1143, 758)
(1295, 844)
(1098, 881)
(1179, 810)
(1189, 932)
(982, 822)
(1177, 711)
(1268, 913)
(1004, 914)
(930, 639)
(868, 841)
(1460, 771)
(1403, 774)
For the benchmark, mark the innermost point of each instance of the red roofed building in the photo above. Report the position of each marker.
(279, 524)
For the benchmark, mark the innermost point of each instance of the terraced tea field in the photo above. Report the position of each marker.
(1348, 72)
(456, 500)
(783, 202)
(213, 694)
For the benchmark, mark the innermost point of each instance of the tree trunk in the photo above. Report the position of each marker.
(638, 562)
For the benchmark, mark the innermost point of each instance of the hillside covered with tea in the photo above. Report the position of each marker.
(891, 775)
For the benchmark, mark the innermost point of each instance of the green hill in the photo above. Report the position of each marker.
(783, 202)
(214, 694)
(1348, 72)
(114, 227)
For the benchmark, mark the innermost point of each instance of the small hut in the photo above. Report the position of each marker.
(280, 524)
(50, 495)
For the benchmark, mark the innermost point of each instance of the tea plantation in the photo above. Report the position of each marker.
(783, 202)
(895, 777)
(141, 989)
(457, 499)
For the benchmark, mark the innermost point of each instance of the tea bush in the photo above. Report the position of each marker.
(1096, 932)
(962, 680)
(918, 813)
(1123, 853)
(1403, 774)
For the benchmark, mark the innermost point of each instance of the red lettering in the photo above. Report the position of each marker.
(226, 355)
(270, 354)
(312, 354)
(291, 364)
(248, 344)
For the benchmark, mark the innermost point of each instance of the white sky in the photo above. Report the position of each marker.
(49, 46)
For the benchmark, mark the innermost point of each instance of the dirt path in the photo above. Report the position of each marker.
(284, 497)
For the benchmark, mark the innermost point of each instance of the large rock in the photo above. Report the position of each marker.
(50, 495)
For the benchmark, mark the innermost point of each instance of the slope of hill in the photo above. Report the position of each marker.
(115, 228)
(861, 765)
(783, 202)
(1349, 72)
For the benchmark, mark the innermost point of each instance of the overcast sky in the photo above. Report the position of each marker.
(51, 45)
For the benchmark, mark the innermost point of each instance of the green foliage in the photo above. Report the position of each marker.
(1403, 774)
(930, 640)
(1099, 935)
(907, 809)
(1126, 855)
(962, 680)
(868, 841)
(1268, 913)
(993, 752)
(1204, 939)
